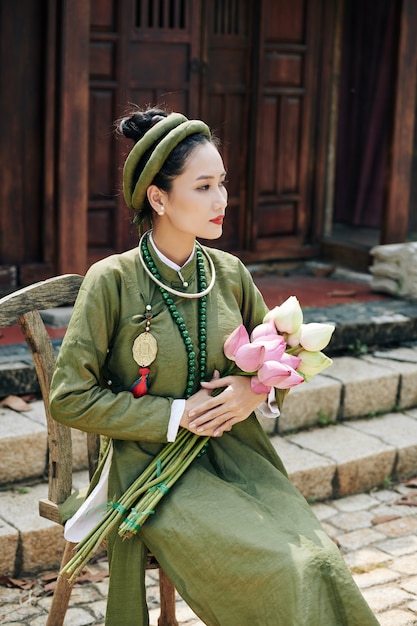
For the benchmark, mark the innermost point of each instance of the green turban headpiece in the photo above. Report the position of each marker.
(169, 132)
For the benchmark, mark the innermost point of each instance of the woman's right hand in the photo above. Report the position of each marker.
(194, 402)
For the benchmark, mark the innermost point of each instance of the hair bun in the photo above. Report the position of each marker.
(139, 122)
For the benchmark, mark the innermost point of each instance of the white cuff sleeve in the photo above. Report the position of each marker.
(269, 408)
(177, 409)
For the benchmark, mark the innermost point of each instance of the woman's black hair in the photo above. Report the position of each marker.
(134, 126)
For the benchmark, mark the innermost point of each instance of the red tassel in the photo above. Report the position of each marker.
(140, 387)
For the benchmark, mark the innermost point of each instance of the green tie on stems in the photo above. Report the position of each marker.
(139, 500)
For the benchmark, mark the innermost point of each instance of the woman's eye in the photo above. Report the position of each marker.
(204, 187)
(224, 183)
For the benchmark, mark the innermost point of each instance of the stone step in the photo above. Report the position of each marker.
(329, 462)
(348, 430)
(353, 387)
(23, 445)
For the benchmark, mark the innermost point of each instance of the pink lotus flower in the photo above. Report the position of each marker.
(291, 360)
(249, 357)
(238, 338)
(278, 375)
(267, 329)
(282, 352)
(258, 387)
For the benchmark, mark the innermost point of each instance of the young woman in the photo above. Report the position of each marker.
(140, 360)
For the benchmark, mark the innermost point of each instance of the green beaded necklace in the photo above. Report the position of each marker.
(193, 368)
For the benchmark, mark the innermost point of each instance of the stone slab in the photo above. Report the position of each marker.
(370, 323)
(22, 446)
(386, 597)
(311, 403)
(311, 473)
(404, 362)
(79, 438)
(17, 378)
(399, 546)
(358, 539)
(363, 462)
(404, 354)
(9, 541)
(58, 317)
(368, 389)
(378, 576)
(41, 541)
(398, 430)
(366, 560)
(269, 424)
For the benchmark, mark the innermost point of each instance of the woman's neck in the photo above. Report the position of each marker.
(177, 250)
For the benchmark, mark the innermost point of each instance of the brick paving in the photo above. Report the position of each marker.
(376, 535)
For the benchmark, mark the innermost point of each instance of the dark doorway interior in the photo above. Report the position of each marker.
(366, 104)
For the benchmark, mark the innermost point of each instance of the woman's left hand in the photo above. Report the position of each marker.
(219, 413)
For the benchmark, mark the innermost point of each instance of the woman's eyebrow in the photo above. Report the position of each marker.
(209, 176)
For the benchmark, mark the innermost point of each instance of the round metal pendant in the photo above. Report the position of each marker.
(144, 349)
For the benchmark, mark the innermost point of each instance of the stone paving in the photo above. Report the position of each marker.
(376, 533)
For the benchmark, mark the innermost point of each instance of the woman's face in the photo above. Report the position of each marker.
(196, 204)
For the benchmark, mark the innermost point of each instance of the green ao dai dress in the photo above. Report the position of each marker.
(239, 542)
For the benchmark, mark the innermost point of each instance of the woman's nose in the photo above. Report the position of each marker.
(221, 199)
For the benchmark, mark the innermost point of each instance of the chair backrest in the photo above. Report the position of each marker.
(23, 307)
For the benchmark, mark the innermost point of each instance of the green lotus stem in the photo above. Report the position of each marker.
(175, 458)
(95, 537)
(148, 502)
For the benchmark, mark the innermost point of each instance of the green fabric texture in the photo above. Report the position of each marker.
(240, 543)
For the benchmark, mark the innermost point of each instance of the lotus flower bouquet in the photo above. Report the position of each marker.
(282, 352)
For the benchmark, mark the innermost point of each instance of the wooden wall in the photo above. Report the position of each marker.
(259, 73)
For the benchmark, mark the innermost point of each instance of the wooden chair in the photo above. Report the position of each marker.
(23, 307)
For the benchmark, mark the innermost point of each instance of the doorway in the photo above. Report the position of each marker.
(371, 194)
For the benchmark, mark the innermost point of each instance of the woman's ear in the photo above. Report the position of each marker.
(156, 199)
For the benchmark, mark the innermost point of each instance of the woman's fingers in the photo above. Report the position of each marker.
(218, 413)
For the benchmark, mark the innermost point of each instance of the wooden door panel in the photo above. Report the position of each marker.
(284, 20)
(282, 206)
(105, 224)
(162, 51)
(225, 102)
(24, 222)
(141, 53)
(162, 43)
(290, 125)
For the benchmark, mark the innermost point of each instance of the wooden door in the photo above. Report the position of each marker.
(187, 55)
(26, 251)
(42, 148)
(225, 101)
(143, 53)
(283, 164)
(247, 69)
